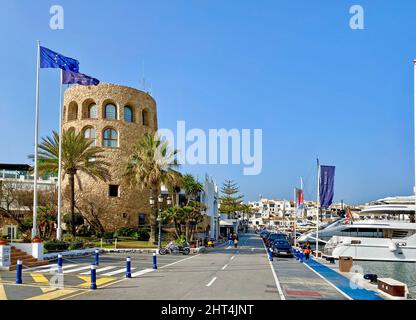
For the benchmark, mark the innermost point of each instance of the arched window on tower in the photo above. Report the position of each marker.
(145, 117)
(111, 112)
(110, 138)
(72, 111)
(89, 134)
(128, 114)
(92, 111)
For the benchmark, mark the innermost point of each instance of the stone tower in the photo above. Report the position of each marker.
(114, 117)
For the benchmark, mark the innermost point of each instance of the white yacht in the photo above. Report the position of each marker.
(391, 239)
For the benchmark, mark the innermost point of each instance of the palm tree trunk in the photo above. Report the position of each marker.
(72, 202)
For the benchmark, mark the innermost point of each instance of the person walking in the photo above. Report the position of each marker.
(307, 250)
(235, 241)
(230, 239)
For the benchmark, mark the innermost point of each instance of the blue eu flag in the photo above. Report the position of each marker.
(70, 77)
(51, 59)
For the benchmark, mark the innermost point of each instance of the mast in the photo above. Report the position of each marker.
(414, 124)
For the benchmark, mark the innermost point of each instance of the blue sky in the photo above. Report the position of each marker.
(292, 68)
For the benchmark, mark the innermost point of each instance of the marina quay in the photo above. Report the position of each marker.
(208, 159)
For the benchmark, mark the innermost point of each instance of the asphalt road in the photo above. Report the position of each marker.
(223, 273)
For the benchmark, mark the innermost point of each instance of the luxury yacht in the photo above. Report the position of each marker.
(391, 237)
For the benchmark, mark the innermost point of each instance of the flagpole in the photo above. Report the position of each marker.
(317, 207)
(35, 178)
(296, 215)
(59, 230)
(414, 124)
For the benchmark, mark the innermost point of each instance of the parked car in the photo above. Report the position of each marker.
(274, 236)
(282, 246)
(264, 234)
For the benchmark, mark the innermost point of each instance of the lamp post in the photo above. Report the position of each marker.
(159, 219)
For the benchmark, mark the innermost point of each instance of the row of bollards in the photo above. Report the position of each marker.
(93, 269)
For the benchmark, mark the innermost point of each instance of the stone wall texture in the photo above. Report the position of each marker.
(124, 210)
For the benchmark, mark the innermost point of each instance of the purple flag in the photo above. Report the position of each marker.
(78, 78)
(326, 185)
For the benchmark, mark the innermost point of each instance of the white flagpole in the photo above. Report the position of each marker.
(35, 178)
(414, 124)
(59, 230)
(296, 216)
(317, 208)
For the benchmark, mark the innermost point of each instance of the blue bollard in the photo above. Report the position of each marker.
(154, 261)
(270, 254)
(60, 263)
(97, 257)
(93, 277)
(128, 267)
(301, 256)
(19, 272)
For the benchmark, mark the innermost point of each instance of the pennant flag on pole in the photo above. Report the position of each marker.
(51, 59)
(326, 186)
(70, 77)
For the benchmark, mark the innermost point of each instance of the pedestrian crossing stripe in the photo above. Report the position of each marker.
(101, 269)
(99, 281)
(112, 273)
(141, 272)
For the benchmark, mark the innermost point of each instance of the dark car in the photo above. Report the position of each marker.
(282, 246)
(264, 233)
(274, 236)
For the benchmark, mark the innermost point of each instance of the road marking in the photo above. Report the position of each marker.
(331, 284)
(101, 269)
(171, 264)
(77, 269)
(37, 268)
(276, 280)
(232, 258)
(124, 279)
(141, 272)
(3, 295)
(116, 272)
(39, 278)
(55, 268)
(223, 268)
(52, 295)
(98, 281)
(211, 282)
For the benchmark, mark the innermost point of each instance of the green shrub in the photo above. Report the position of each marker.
(56, 246)
(76, 245)
(142, 235)
(67, 237)
(125, 232)
(181, 241)
(108, 235)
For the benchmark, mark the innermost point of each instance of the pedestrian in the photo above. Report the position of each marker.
(230, 239)
(235, 241)
(307, 250)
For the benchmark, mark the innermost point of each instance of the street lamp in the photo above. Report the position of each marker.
(159, 219)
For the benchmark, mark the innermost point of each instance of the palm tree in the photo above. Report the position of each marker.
(151, 163)
(77, 156)
(192, 187)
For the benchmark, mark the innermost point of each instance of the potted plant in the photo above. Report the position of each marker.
(3, 241)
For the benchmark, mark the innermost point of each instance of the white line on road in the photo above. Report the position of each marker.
(101, 269)
(223, 268)
(276, 280)
(330, 283)
(171, 264)
(116, 272)
(232, 258)
(141, 272)
(211, 282)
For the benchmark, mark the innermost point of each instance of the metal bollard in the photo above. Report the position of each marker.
(154, 261)
(270, 254)
(93, 277)
(60, 263)
(97, 257)
(19, 271)
(128, 267)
